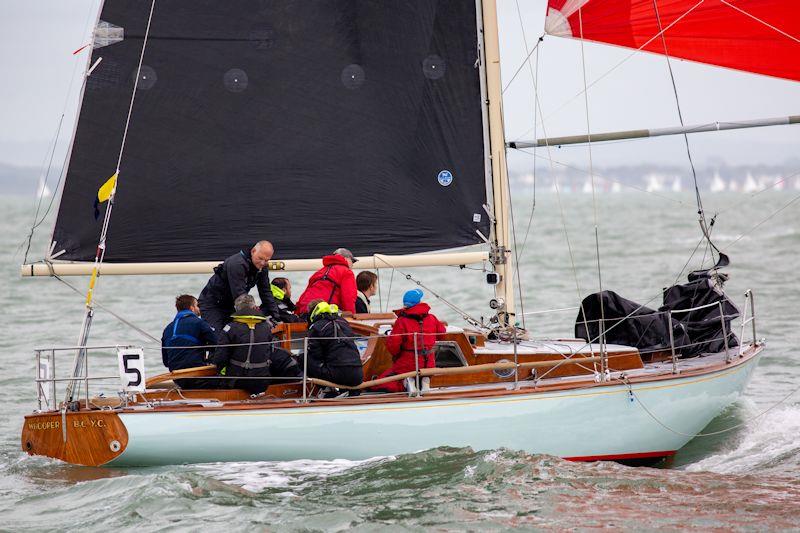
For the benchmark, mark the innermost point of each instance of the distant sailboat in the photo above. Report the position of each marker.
(750, 184)
(717, 183)
(654, 183)
(42, 190)
(677, 184)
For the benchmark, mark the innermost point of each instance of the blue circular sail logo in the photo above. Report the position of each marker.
(445, 178)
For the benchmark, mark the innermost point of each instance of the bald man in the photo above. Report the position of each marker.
(236, 276)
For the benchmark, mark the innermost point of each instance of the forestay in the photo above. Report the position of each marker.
(342, 123)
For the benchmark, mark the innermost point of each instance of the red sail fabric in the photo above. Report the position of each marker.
(761, 36)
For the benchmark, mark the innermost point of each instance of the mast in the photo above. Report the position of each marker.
(500, 254)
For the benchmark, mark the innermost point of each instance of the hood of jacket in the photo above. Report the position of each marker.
(420, 309)
(335, 260)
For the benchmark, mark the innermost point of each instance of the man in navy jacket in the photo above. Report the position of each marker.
(189, 330)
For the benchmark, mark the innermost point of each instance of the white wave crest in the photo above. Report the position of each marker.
(259, 476)
(770, 444)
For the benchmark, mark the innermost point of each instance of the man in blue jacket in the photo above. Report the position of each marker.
(183, 340)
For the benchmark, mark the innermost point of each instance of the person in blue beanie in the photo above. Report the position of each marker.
(415, 331)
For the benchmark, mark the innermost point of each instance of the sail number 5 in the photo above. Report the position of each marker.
(131, 369)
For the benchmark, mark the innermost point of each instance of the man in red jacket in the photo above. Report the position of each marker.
(413, 321)
(334, 283)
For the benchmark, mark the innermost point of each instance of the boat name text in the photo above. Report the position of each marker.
(53, 424)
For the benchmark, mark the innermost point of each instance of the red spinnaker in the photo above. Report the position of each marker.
(761, 36)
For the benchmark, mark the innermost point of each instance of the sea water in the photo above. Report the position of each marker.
(745, 478)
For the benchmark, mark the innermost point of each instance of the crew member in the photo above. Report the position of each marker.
(367, 284)
(415, 330)
(333, 283)
(247, 350)
(282, 292)
(332, 353)
(236, 276)
(187, 330)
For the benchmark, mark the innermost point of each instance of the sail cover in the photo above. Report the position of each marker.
(354, 123)
(760, 36)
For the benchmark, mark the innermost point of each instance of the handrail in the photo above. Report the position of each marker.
(180, 374)
(428, 372)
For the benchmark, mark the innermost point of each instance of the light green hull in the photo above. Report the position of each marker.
(597, 422)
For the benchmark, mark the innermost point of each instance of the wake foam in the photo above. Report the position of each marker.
(769, 444)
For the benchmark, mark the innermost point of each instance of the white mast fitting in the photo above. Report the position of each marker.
(500, 254)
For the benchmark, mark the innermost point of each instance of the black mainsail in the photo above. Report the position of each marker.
(312, 124)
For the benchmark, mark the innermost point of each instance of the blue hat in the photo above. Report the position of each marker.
(412, 297)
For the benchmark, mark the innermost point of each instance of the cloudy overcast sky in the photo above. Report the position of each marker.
(41, 77)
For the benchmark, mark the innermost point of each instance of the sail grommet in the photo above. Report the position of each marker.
(353, 76)
(434, 67)
(235, 80)
(147, 78)
(115, 446)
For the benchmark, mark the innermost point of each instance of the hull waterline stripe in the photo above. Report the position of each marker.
(622, 456)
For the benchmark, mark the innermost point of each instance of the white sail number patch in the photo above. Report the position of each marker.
(131, 369)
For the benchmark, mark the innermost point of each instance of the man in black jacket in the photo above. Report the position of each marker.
(236, 276)
(332, 353)
(248, 351)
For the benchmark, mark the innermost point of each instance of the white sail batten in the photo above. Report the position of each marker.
(289, 265)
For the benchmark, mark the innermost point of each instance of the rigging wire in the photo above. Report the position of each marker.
(109, 311)
(602, 178)
(768, 25)
(389, 294)
(700, 211)
(527, 57)
(612, 69)
(107, 218)
(753, 195)
(516, 253)
(517, 250)
(466, 316)
(40, 194)
(710, 433)
(534, 72)
(560, 203)
(604, 362)
(36, 220)
(771, 216)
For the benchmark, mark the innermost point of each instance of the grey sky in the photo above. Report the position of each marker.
(37, 39)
